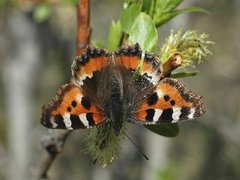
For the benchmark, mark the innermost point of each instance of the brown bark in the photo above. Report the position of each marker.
(83, 28)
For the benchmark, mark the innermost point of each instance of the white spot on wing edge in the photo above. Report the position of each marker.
(157, 114)
(67, 121)
(176, 114)
(154, 77)
(84, 120)
(83, 77)
(192, 111)
(54, 125)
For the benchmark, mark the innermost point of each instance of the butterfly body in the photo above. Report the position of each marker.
(115, 104)
(104, 91)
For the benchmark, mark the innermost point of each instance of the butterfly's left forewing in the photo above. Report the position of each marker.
(71, 109)
(169, 102)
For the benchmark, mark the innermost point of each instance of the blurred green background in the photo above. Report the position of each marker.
(37, 46)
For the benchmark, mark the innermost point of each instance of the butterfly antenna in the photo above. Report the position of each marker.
(138, 148)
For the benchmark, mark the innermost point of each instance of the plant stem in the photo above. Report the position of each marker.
(172, 63)
(83, 28)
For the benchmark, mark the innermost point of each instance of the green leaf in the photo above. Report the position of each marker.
(42, 12)
(191, 9)
(128, 17)
(164, 129)
(166, 5)
(164, 17)
(148, 6)
(184, 74)
(144, 33)
(98, 43)
(114, 36)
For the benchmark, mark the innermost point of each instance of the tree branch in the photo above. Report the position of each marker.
(172, 63)
(83, 28)
(54, 141)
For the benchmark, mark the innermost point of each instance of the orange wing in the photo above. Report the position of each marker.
(170, 102)
(88, 64)
(130, 58)
(71, 110)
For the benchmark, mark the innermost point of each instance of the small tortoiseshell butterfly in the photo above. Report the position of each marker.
(104, 91)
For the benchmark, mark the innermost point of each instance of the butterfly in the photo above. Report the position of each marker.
(105, 90)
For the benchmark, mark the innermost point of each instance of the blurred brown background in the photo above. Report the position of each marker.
(35, 59)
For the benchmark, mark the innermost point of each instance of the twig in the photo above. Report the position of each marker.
(54, 141)
(83, 28)
(172, 63)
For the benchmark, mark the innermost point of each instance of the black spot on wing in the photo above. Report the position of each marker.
(152, 99)
(90, 119)
(150, 114)
(58, 119)
(166, 98)
(185, 111)
(172, 102)
(167, 115)
(74, 104)
(69, 109)
(86, 103)
(76, 122)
